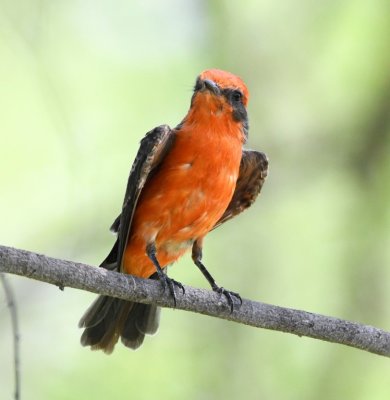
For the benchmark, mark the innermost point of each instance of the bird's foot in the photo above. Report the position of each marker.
(171, 284)
(229, 296)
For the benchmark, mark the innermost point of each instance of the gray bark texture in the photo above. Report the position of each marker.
(98, 280)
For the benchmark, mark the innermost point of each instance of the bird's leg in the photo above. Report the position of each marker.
(164, 279)
(197, 258)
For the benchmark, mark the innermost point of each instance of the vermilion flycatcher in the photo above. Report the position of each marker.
(184, 183)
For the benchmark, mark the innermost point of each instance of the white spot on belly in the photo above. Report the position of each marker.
(185, 229)
(232, 178)
(186, 166)
(172, 247)
(194, 198)
(149, 232)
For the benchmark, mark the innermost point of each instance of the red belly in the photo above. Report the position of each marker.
(180, 203)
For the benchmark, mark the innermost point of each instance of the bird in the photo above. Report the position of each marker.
(184, 183)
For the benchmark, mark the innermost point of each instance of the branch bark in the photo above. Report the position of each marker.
(98, 280)
(9, 295)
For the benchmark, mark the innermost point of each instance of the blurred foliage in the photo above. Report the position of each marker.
(82, 81)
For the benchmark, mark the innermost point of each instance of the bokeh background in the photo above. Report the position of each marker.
(82, 81)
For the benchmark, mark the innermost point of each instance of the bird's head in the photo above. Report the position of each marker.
(221, 95)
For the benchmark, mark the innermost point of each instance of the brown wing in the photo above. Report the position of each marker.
(253, 171)
(153, 148)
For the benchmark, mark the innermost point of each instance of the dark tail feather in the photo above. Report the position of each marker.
(108, 319)
(142, 320)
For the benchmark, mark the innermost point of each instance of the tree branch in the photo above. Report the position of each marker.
(9, 295)
(98, 280)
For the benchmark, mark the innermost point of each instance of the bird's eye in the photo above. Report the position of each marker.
(237, 96)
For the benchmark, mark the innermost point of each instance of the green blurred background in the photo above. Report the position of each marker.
(82, 81)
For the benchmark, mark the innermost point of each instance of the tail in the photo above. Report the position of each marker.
(108, 319)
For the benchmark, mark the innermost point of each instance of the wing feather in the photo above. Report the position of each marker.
(153, 148)
(252, 174)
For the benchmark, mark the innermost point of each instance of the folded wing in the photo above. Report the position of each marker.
(253, 172)
(153, 148)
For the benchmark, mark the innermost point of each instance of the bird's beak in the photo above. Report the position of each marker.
(212, 87)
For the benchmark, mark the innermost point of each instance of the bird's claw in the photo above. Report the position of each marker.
(229, 296)
(171, 283)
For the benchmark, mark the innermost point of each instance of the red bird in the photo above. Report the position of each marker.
(184, 183)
